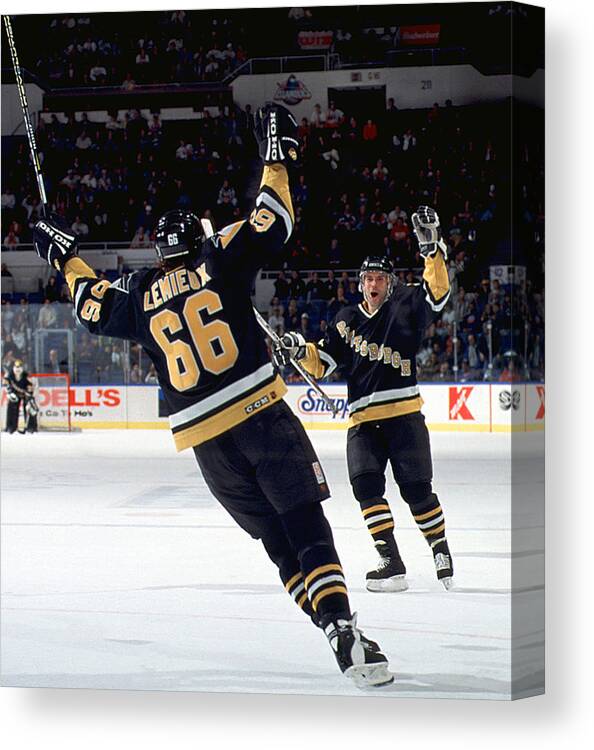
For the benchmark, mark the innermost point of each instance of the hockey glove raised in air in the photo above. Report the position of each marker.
(276, 133)
(426, 227)
(54, 241)
(292, 346)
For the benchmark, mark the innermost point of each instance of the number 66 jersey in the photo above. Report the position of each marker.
(196, 324)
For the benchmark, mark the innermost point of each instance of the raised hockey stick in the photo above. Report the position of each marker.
(301, 370)
(26, 115)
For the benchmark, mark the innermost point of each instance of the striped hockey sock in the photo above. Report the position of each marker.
(295, 587)
(324, 581)
(379, 519)
(429, 518)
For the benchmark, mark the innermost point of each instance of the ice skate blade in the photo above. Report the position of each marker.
(387, 585)
(448, 583)
(370, 675)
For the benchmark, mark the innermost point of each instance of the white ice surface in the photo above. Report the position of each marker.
(119, 570)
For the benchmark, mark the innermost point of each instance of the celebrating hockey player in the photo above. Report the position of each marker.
(194, 318)
(19, 390)
(375, 343)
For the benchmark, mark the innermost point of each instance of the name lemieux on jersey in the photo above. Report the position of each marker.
(197, 325)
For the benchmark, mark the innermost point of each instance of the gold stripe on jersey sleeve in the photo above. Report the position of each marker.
(231, 416)
(275, 177)
(312, 362)
(74, 269)
(229, 232)
(436, 276)
(386, 411)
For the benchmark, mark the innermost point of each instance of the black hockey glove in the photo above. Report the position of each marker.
(276, 133)
(54, 241)
(292, 346)
(426, 227)
(12, 396)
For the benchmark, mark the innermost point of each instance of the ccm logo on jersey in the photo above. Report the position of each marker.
(250, 408)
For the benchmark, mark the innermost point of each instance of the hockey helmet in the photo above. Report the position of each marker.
(18, 365)
(378, 264)
(179, 235)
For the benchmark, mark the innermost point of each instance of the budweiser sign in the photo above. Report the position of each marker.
(458, 402)
(315, 39)
(426, 35)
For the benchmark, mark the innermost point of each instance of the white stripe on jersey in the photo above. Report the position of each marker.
(329, 361)
(80, 290)
(436, 307)
(380, 397)
(221, 397)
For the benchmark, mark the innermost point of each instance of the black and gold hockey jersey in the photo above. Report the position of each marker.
(377, 352)
(197, 325)
(20, 387)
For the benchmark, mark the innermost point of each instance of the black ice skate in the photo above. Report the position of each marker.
(390, 572)
(366, 667)
(443, 563)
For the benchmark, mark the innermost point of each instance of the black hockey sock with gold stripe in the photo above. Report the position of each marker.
(311, 539)
(429, 518)
(378, 518)
(324, 582)
(295, 587)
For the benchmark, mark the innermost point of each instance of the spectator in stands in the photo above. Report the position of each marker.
(11, 240)
(98, 74)
(281, 287)
(334, 252)
(296, 286)
(510, 374)
(318, 118)
(276, 318)
(128, 84)
(8, 200)
(334, 116)
(304, 327)
(473, 354)
(353, 296)
(79, 227)
(47, 316)
(315, 288)
(151, 376)
(51, 291)
(292, 317)
(54, 363)
(136, 374)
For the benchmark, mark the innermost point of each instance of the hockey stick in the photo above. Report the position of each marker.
(26, 114)
(301, 370)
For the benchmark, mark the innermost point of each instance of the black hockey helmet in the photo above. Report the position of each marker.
(179, 236)
(378, 264)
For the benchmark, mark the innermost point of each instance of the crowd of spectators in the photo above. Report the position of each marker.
(487, 332)
(110, 181)
(135, 49)
(369, 181)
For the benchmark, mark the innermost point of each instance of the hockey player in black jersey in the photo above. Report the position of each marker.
(19, 390)
(194, 318)
(375, 343)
